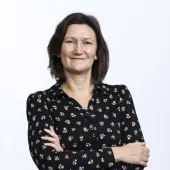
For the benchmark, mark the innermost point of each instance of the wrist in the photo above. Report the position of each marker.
(117, 153)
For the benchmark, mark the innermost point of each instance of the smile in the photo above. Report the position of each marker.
(78, 58)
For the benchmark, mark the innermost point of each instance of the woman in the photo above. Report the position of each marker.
(80, 122)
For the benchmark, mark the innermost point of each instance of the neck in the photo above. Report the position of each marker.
(78, 84)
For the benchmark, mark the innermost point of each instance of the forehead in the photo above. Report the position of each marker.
(80, 30)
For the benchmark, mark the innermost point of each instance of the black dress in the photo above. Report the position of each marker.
(86, 135)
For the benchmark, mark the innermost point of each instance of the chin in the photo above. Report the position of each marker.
(79, 70)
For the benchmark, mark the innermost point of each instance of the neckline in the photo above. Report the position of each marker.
(98, 87)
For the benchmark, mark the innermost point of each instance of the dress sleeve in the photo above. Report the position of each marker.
(130, 126)
(45, 157)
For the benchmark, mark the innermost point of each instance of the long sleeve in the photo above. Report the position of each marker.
(38, 116)
(130, 126)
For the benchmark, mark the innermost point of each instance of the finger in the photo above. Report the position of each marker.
(50, 144)
(48, 131)
(145, 149)
(53, 146)
(52, 129)
(146, 154)
(48, 138)
(143, 143)
(143, 163)
(52, 133)
(145, 159)
(139, 143)
(56, 143)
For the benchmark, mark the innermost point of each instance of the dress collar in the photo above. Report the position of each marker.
(99, 87)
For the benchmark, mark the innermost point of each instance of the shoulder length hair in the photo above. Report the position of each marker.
(100, 66)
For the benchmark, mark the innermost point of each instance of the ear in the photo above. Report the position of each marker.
(95, 58)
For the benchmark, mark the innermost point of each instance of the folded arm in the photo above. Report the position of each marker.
(48, 158)
(130, 126)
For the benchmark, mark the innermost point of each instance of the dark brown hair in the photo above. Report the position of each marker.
(100, 66)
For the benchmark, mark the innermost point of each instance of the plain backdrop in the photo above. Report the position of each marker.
(138, 36)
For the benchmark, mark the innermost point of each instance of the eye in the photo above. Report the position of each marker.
(69, 41)
(87, 42)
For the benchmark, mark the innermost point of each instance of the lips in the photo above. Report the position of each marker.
(78, 58)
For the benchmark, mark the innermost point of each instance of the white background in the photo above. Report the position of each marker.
(138, 36)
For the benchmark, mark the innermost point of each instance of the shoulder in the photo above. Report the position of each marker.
(116, 88)
(119, 91)
(42, 94)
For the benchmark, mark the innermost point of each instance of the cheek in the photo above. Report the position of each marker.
(91, 52)
(66, 50)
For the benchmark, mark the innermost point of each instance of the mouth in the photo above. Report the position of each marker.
(78, 58)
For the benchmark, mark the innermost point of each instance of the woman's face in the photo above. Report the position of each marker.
(78, 50)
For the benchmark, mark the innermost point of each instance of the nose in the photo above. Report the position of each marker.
(78, 49)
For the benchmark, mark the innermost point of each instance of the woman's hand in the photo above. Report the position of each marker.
(54, 139)
(132, 153)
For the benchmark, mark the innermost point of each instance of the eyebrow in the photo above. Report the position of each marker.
(75, 38)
